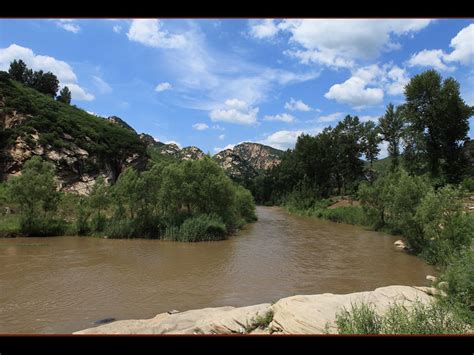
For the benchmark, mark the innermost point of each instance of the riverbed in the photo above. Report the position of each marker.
(64, 284)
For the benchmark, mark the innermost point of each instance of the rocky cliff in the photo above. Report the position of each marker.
(247, 160)
(308, 314)
(81, 146)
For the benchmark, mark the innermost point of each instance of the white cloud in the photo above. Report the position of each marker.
(216, 126)
(68, 25)
(117, 28)
(367, 85)
(354, 92)
(263, 28)
(150, 33)
(61, 69)
(430, 58)
(101, 85)
(340, 42)
(236, 103)
(79, 93)
(284, 117)
(221, 137)
(282, 139)
(399, 78)
(297, 105)
(331, 117)
(235, 111)
(200, 126)
(463, 45)
(462, 53)
(163, 87)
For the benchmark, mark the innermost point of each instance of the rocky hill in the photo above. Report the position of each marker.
(81, 146)
(247, 160)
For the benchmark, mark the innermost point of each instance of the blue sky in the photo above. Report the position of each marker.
(215, 83)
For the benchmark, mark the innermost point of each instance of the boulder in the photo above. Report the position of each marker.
(310, 314)
(400, 244)
(220, 320)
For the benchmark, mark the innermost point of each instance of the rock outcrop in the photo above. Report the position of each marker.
(308, 314)
(247, 160)
(187, 153)
(118, 121)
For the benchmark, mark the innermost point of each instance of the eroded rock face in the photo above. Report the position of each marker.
(259, 156)
(247, 160)
(76, 169)
(234, 165)
(307, 314)
(187, 153)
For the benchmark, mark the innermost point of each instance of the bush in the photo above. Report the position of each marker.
(349, 214)
(202, 228)
(459, 276)
(39, 227)
(468, 184)
(434, 318)
(446, 229)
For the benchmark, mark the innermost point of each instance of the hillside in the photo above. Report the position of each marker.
(81, 146)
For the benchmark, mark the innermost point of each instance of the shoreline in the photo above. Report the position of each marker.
(301, 314)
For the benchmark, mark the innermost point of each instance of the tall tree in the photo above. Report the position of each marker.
(437, 113)
(370, 141)
(46, 83)
(391, 129)
(65, 95)
(18, 70)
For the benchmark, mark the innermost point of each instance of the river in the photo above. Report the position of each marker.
(64, 284)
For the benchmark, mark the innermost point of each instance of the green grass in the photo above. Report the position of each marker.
(434, 318)
(9, 224)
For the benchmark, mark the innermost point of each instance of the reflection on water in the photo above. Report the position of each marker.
(63, 284)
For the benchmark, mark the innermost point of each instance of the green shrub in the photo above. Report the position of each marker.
(361, 319)
(202, 228)
(468, 184)
(42, 227)
(349, 214)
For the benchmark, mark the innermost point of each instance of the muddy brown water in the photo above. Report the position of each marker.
(64, 284)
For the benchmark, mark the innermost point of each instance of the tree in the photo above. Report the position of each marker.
(391, 128)
(35, 191)
(46, 83)
(65, 95)
(439, 117)
(18, 70)
(370, 141)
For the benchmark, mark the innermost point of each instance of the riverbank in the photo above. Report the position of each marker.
(302, 314)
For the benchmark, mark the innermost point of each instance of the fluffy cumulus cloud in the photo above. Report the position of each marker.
(235, 111)
(150, 32)
(282, 139)
(297, 105)
(367, 85)
(68, 25)
(263, 28)
(462, 53)
(341, 42)
(463, 45)
(200, 126)
(283, 117)
(79, 93)
(117, 28)
(430, 58)
(355, 93)
(162, 86)
(61, 69)
(221, 137)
